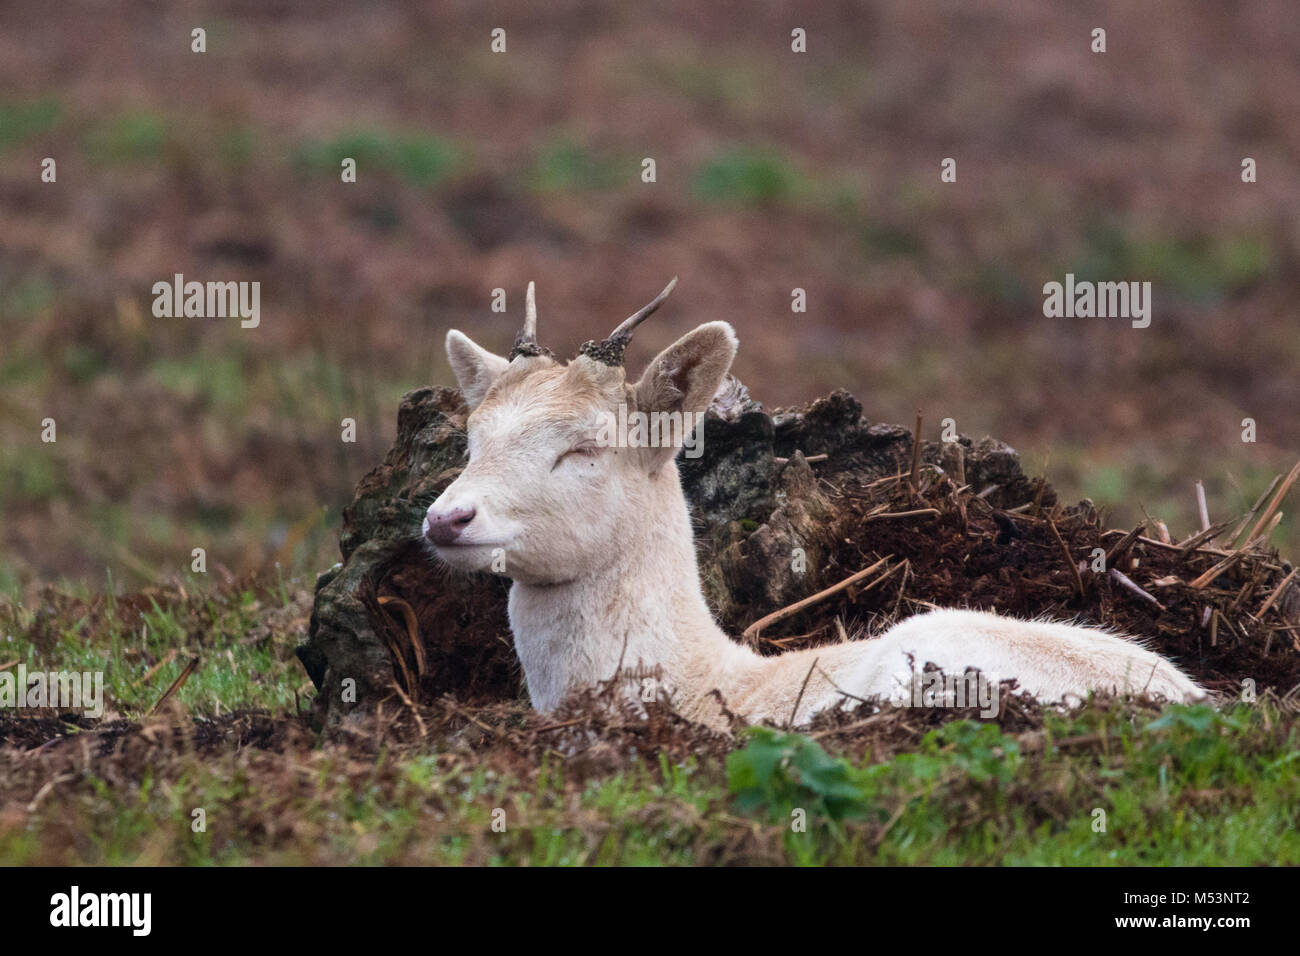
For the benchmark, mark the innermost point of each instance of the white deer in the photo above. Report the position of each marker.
(597, 539)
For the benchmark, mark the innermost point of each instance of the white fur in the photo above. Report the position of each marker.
(603, 560)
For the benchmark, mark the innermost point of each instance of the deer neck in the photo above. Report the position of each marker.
(642, 610)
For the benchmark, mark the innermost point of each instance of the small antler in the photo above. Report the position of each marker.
(610, 351)
(526, 341)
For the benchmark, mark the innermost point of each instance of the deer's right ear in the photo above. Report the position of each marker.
(475, 368)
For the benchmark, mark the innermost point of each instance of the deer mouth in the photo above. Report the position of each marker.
(467, 555)
(462, 547)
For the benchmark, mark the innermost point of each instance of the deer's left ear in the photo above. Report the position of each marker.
(474, 366)
(684, 378)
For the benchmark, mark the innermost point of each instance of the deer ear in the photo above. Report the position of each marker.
(475, 367)
(684, 378)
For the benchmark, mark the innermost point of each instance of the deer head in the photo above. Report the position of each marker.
(555, 478)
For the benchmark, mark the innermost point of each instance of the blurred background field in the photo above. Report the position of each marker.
(775, 170)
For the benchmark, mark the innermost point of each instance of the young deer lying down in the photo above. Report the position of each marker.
(597, 539)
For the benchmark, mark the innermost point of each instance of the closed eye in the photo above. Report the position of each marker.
(584, 449)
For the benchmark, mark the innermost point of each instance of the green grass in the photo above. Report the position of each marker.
(83, 363)
(1182, 786)
(22, 120)
(564, 165)
(27, 475)
(404, 811)
(236, 669)
(422, 159)
(1191, 787)
(218, 380)
(135, 136)
(751, 177)
(28, 297)
(1198, 268)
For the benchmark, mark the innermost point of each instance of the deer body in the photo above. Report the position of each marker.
(599, 543)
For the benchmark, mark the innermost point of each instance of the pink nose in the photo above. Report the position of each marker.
(445, 526)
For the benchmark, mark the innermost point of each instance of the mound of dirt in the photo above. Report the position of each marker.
(956, 523)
